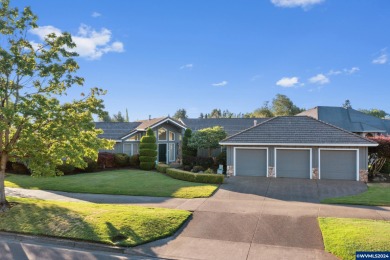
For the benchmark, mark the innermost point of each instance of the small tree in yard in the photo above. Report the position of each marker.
(187, 150)
(379, 154)
(207, 138)
(35, 128)
(148, 151)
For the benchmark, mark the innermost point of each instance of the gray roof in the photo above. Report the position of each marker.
(116, 130)
(349, 119)
(230, 125)
(296, 130)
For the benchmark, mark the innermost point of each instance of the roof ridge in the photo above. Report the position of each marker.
(249, 128)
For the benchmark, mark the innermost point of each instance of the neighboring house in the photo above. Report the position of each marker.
(350, 120)
(297, 147)
(127, 136)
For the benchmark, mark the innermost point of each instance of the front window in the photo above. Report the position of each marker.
(171, 136)
(162, 134)
(171, 151)
(135, 137)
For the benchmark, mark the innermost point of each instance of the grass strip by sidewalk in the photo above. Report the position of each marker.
(378, 194)
(344, 236)
(119, 182)
(109, 224)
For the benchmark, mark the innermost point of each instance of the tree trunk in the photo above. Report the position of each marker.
(4, 205)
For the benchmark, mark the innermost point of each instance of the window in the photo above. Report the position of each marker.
(135, 137)
(171, 136)
(171, 151)
(127, 149)
(135, 149)
(162, 134)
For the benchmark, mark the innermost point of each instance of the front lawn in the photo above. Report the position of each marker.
(344, 236)
(108, 224)
(119, 182)
(378, 194)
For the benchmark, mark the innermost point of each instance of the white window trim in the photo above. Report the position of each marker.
(174, 152)
(338, 149)
(299, 144)
(289, 148)
(169, 136)
(166, 134)
(248, 148)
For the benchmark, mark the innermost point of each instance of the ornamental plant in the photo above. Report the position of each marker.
(378, 155)
(148, 151)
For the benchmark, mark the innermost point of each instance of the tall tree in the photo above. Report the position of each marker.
(216, 113)
(207, 138)
(375, 112)
(283, 106)
(35, 127)
(118, 117)
(201, 116)
(264, 111)
(347, 104)
(127, 116)
(180, 113)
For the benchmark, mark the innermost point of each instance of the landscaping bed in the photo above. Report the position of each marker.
(108, 224)
(378, 194)
(344, 236)
(119, 182)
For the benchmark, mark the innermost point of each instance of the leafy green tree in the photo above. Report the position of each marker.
(180, 113)
(148, 151)
(187, 150)
(216, 113)
(283, 106)
(105, 117)
(347, 104)
(118, 117)
(36, 129)
(264, 111)
(375, 112)
(207, 138)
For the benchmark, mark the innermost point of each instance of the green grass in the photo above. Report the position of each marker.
(108, 224)
(378, 194)
(344, 236)
(120, 182)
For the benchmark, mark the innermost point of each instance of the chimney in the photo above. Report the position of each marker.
(254, 122)
(150, 117)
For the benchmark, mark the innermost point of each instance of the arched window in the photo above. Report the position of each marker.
(162, 134)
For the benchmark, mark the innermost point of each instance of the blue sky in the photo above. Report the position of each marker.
(154, 57)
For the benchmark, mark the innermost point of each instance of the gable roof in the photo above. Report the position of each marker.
(115, 130)
(230, 125)
(296, 130)
(349, 119)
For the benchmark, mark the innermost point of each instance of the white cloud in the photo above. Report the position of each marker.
(383, 58)
(320, 79)
(96, 14)
(296, 3)
(188, 66)
(220, 84)
(286, 82)
(346, 71)
(351, 70)
(90, 44)
(334, 72)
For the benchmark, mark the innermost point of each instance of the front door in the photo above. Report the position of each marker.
(162, 153)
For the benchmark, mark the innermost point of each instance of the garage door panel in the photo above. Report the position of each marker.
(293, 163)
(338, 164)
(251, 162)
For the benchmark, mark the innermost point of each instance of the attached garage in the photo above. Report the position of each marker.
(251, 161)
(293, 163)
(338, 164)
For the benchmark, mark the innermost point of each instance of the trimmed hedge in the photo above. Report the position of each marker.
(121, 159)
(134, 160)
(147, 159)
(148, 151)
(205, 162)
(162, 167)
(147, 165)
(147, 146)
(192, 177)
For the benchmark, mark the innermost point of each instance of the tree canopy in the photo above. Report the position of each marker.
(375, 112)
(207, 138)
(36, 129)
(180, 113)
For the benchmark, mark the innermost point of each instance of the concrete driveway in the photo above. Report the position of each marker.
(260, 218)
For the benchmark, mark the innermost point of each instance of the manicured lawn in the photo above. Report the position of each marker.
(378, 194)
(344, 236)
(120, 182)
(109, 224)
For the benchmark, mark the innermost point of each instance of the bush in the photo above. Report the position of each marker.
(221, 159)
(134, 160)
(162, 167)
(187, 168)
(386, 167)
(201, 178)
(209, 171)
(121, 159)
(20, 168)
(91, 166)
(186, 150)
(205, 162)
(106, 160)
(197, 169)
(148, 151)
(66, 168)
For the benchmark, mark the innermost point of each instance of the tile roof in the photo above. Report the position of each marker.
(296, 130)
(230, 125)
(115, 130)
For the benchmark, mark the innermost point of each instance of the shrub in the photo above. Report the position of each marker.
(162, 167)
(121, 159)
(91, 166)
(20, 168)
(66, 168)
(186, 150)
(209, 171)
(187, 168)
(134, 160)
(148, 151)
(197, 168)
(205, 162)
(221, 159)
(386, 167)
(201, 178)
(106, 160)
